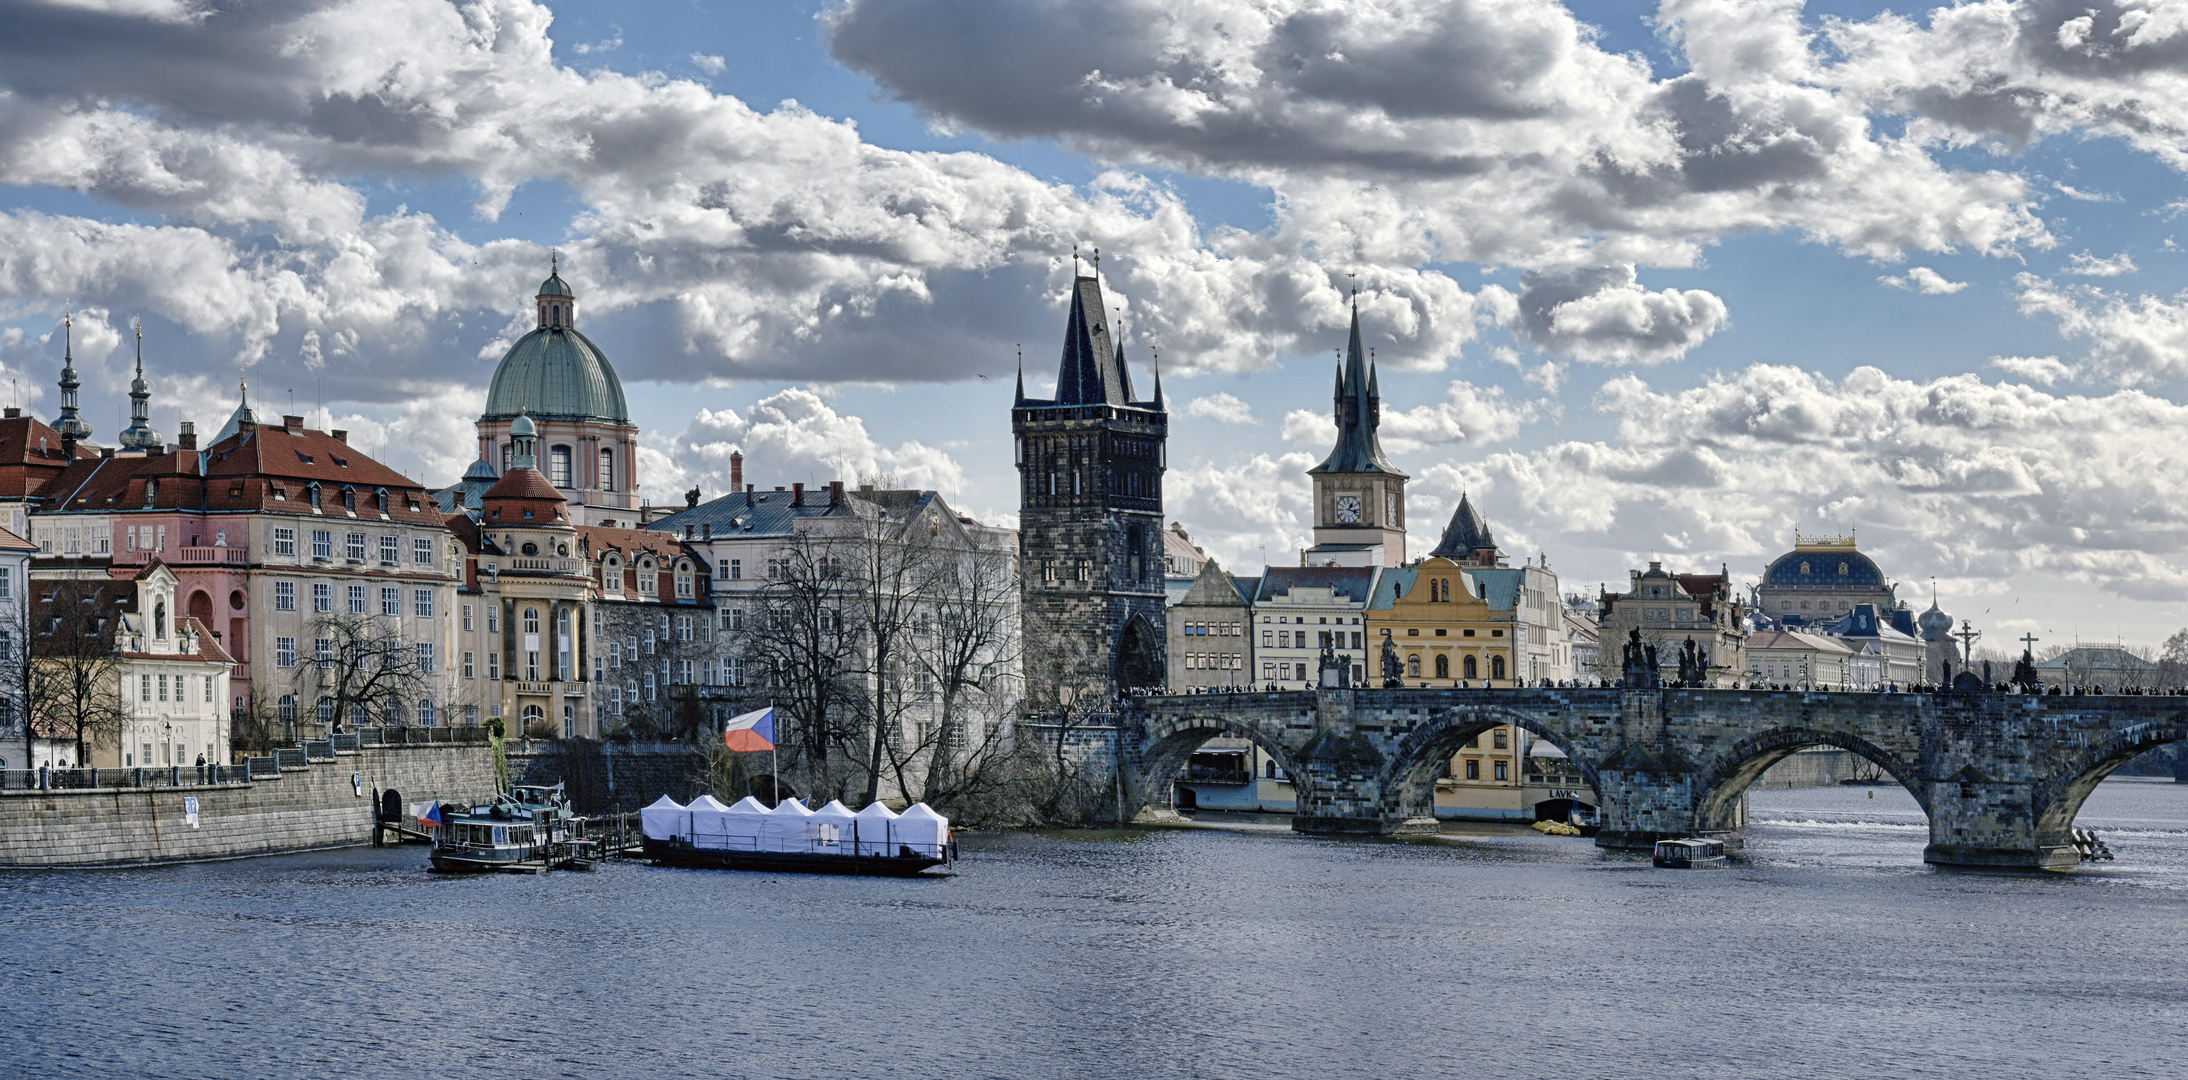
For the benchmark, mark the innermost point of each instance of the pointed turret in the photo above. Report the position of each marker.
(139, 434)
(70, 426)
(1359, 401)
(1466, 536)
(1093, 371)
(243, 414)
(1157, 359)
(1020, 399)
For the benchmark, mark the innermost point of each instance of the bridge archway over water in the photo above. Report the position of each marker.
(1728, 776)
(2059, 801)
(1409, 776)
(1168, 744)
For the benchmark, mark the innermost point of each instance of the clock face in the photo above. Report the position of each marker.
(1348, 509)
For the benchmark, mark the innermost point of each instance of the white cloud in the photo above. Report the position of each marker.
(1246, 515)
(1605, 316)
(1222, 408)
(711, 64)
(2087, 265)
(791, 437)
(610, 43)
(2132, 339)
(1975, 482)
(2043, 369)
(1926, 281)
(2084, 196)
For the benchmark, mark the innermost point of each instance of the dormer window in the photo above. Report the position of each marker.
(151, 493)
(379, 496)
(313, 490)
(349, 498)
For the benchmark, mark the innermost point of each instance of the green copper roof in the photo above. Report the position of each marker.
(555, 286)
(556, 374)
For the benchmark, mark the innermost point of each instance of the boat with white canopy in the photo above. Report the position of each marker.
(791, 837)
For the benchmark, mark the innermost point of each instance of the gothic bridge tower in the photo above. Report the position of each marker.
(1090, 467)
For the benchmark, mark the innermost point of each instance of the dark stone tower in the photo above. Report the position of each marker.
(1090, 467)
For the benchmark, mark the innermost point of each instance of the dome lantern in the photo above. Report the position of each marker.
(557, 302)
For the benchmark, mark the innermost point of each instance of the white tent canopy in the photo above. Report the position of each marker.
(923, 830)
(708, 825)
(665, 819)
(875, 829)
(783, 829)
(836, 815)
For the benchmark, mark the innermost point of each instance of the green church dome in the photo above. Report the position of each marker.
(555, 286)
(556, 373)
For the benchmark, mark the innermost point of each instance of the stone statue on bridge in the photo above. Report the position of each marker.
(1393, 671)
(1640, 663)
(1693, 664)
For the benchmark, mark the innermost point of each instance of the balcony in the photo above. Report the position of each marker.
(187, 556)
(540, 688)
(521, 565)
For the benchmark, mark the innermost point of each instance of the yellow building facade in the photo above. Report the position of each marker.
(1447, 637)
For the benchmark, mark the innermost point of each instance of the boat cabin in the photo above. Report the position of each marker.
(1689, 854)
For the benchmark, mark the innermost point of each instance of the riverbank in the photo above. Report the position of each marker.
(304, 805)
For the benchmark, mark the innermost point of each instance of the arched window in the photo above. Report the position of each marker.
(1413, 666)
(288, 706)
(151, 493)
(1472, 672)
(326, 710)
(1496, 667)
(607, 470)
(558, 466)
(159, 620)
(1443, 667)
(531, 620)
(394, 713)
(533, 714)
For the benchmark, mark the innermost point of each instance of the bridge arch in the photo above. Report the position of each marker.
(1409, 776)
(2059, 799)
(1168, 741)
(1736, 769)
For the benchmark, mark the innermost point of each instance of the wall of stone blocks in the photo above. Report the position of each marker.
(603, 778)
(318, 806)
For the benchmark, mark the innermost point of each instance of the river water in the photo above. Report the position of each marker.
(1242, 951)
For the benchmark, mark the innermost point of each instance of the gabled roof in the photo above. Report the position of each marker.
(1794, 640)
(1212, 587)
(257, 469)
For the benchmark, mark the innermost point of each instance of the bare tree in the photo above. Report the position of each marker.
(76, 690)
(804, 654)
(360, 665)
(967, 644)
(27, 687)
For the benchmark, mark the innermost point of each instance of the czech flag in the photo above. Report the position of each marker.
(752, 731)
(431, 819)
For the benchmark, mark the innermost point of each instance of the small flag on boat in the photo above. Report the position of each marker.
(752, 731)
(432, 817)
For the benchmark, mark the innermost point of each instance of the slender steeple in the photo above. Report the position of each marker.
(70, 426)
(1358, 413)
(1021, 398)
(139, 434)
(243, 414)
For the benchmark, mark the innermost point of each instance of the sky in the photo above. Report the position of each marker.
(1650, 281)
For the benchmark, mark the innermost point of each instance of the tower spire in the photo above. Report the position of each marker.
(139, 434)
(70, 426)
(1021, 398)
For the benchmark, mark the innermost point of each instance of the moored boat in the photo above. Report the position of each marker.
(1689, 854)
(529, 830)
(790, 838)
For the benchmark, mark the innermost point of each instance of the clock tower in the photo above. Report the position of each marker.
(1359, 496)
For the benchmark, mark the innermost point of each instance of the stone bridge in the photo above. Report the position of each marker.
(2000, 776)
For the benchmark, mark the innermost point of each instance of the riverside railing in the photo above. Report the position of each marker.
(51, 779)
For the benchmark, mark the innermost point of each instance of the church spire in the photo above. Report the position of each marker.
(139, 434)
(1358, 413)
(1021, 398)
(70, 426)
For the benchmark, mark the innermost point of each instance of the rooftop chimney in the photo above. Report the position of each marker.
(797, 494)
(13, 412)
(340, 436)
(292, 423)
(835, 492)
(736, 470)
(187, 438)
(706, 530)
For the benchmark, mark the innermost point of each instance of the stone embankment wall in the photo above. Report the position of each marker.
(325, 804)
(604, 777)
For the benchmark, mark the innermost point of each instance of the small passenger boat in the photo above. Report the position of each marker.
(875, 841)
(1689, 854)
(530, 830)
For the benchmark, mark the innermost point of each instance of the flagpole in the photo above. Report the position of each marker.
(775, 758)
